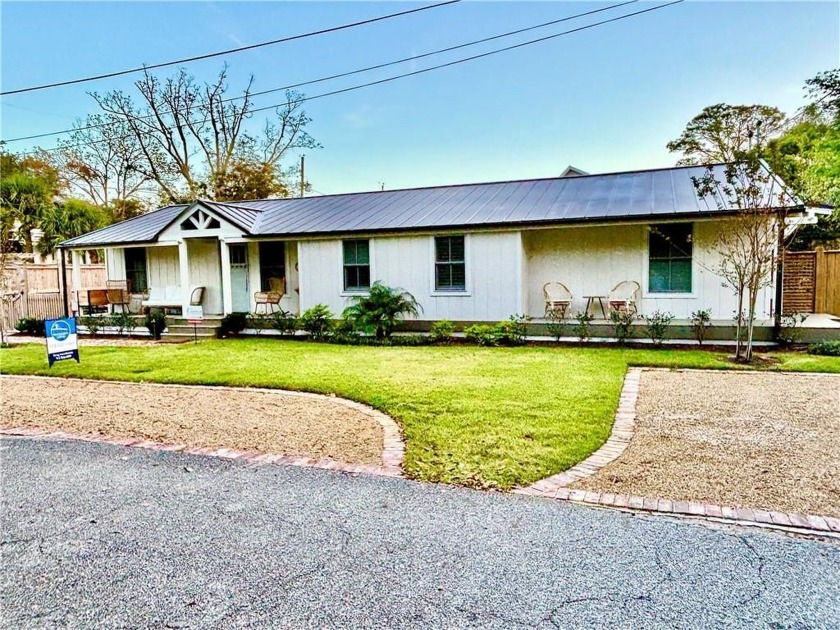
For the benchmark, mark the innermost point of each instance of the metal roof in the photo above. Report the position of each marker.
(655, 194)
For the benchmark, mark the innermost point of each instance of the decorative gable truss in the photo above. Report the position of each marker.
(200, 220)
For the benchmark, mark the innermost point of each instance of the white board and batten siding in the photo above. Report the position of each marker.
(493, 275)
(592, 260)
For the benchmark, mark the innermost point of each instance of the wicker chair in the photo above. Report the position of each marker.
(558, 298)
(625, 296)
(269, 300)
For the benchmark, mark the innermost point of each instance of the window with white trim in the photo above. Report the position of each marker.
(670, 251)
(450, 264)
(356, 265)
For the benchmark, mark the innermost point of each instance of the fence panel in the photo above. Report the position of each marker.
(827, 281)
(799, 283)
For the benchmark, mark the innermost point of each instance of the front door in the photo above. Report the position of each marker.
(241, 297)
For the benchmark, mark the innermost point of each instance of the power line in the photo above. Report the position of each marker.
(226, 52)
(444, 65)
(347, 74)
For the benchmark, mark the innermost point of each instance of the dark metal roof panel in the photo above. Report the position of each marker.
(140, 229)
(662, 193)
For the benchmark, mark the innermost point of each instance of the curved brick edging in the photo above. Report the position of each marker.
(393, 451)
(622, 432)
(554, 487)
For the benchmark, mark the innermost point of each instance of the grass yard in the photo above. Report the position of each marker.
(488, 417)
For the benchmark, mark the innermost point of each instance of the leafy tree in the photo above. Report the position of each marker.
(746, 244)
(24, 199)
(248, 179)
(721, 132)
(381, 310)
(193, 139)
(69, 219)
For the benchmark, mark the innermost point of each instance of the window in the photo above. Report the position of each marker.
(450, 266)
(272, 262)
(135, 269)
(669, 251)
(356, 265)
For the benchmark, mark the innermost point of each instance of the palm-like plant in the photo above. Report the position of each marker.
(381, 310)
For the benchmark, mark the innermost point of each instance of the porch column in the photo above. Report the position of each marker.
(227, 297)
(184, 264)
(77, 279)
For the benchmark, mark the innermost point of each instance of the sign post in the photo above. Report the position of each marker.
(62, 340)
(195, 315)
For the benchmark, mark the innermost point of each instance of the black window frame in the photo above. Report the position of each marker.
(136, 269)
(272, 256)
(450, 269)
(671, 248)
(355, 269)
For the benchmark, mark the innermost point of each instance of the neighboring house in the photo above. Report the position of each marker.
(475, 252)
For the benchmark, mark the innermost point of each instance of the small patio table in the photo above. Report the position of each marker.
(590, 300)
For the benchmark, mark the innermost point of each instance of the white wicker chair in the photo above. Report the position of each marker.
(558, 298)
(625, 296)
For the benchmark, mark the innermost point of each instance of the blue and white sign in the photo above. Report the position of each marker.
(62, 341)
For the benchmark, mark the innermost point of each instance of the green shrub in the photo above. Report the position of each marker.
(258, 321)
(826, 348)
(656, 326)
(583, 320)
(557, 325)
(285, 322)
(156, 323)
(381, 310)
(442, 332)
(410, 340)
(701, 321)
(317, 321)
(116, 321)
(344, 331)
(790, 330)
(482, 334)
(93, 324)
(621, 322)
(233, 324)
(31, 326)
(512, 331)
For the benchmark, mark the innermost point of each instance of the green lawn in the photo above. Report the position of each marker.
(495, 417)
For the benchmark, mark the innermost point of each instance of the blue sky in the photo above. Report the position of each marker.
(605, 99)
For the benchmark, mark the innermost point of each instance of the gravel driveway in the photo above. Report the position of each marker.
(752, 439)
(237, 418)
(97, 536)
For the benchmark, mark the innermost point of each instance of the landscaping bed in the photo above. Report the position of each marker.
(743, 439)
(268, 422)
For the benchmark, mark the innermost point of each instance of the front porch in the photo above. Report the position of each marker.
(222, 276)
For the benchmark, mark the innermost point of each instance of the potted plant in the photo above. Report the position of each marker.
(156, 323)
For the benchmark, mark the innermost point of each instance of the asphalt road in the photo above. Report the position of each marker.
(97, 536)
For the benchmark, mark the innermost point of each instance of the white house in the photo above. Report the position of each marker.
(475, 252)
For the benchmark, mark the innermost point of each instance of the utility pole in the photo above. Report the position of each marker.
(302, 177)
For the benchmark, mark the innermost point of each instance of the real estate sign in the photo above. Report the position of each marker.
(62, 341)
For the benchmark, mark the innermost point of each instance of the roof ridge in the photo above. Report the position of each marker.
(495, 182)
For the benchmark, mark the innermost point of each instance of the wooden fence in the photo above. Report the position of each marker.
(33, 290)
(811, 282)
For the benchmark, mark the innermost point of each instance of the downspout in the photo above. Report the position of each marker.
(780, 275)
(63, 281)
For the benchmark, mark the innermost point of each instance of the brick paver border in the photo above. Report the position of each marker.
(555, 487)
(393, 452)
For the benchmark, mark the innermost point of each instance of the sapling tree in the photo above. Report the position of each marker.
(747, 245)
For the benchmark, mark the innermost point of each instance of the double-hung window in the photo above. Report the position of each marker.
(450, 264)
(357, 265)
(670, 249)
